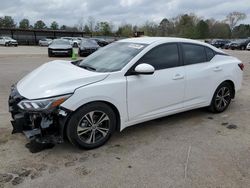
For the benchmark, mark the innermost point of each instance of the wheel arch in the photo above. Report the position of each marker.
(112, 106)
(232, 85)
(229, 81)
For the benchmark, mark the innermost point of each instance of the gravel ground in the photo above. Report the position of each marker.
(191, 149)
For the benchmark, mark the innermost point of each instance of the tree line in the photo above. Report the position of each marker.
(185, 25)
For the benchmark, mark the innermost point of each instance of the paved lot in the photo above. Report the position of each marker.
(152, 154)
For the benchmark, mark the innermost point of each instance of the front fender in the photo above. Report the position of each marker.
(110, 92)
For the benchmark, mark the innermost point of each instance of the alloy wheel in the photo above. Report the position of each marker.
(93, 127)
(223, 98)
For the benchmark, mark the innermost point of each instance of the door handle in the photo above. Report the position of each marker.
(178, 77)
(217, 69)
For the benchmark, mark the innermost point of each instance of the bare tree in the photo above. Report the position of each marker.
(234, 17)
(91, 23)
(80, 24)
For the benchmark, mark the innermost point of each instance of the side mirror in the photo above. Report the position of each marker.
(144, 68)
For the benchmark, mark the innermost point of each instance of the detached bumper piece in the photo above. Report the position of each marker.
(43, 127)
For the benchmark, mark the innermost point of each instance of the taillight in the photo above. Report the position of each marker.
(241, 65)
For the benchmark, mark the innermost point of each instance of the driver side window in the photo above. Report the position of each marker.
(162, 57)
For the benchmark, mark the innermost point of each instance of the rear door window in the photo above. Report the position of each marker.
(193, 54)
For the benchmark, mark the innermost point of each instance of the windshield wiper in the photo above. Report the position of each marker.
(88, 67)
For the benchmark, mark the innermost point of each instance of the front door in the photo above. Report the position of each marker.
(153, 95)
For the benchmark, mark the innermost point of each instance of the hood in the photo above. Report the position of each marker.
(56, 78)
(58, 46)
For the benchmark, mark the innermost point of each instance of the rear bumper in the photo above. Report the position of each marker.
(44, 127)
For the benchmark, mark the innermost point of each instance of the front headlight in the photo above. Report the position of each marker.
(42, 104)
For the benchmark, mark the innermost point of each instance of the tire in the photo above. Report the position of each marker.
(242, 47)
(71, 53)
(50, 54)
(221, 98)
(79, 53)
(83, 129)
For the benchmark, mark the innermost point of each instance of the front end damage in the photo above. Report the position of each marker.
(45, 126)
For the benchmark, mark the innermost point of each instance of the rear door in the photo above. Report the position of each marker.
(152, 95)
(200, 74)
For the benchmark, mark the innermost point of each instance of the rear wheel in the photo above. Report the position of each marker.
(222, 98)
(91, 126)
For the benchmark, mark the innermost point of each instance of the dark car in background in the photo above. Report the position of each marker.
(219, 43)
(228, 45)
(60, 47)
(101, 42)
(243, 44)
(87, 47)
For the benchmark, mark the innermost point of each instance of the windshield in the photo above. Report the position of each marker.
(112, 57)
(61, 42)
(89, 42)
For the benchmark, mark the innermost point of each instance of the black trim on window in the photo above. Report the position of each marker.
(180, 63)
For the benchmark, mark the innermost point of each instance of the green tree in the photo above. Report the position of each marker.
(241, 31)
(202, 30)
(54, 25)
(40, 25)
(104, 28)
(24, 24)
(7, 22)
(125, 30)
(185, 25)
(166, 27)
(63, 27)
(149, 28)
(220, 30)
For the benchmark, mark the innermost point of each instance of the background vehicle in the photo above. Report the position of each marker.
(219, 43)
(228, 45)
(60, 47)
(243, 44)
(70, 39)
(100, 42)
(87, 47)
(45, 42)
(128, 82)
(76, 41)
(248, 46)
(8, 41)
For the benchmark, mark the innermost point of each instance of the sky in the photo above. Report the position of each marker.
(71, 12)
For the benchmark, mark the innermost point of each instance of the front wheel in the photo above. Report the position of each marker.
(91, 126)
(222, 98)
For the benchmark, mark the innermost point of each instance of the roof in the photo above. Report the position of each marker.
(150, 40)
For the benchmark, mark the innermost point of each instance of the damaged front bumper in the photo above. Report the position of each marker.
(45, 126)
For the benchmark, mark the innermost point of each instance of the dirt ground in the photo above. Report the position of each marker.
(191, 149)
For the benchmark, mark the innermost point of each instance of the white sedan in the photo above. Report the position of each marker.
(248, 46)
(8, 41)
(125, 83)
